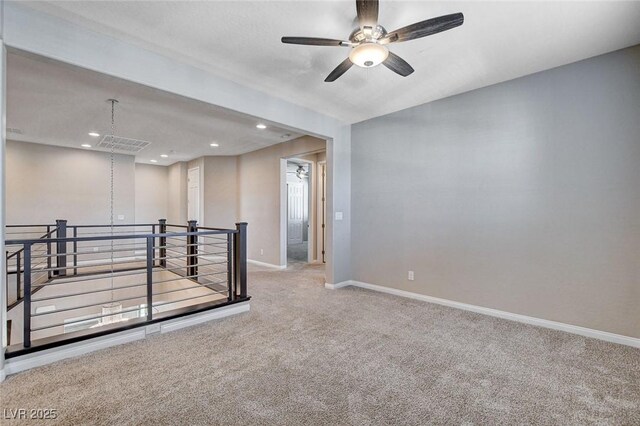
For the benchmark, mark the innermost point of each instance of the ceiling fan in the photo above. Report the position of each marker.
(368, 42)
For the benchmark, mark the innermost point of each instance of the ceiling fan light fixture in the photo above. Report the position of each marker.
(369, 40)
(367, 55)
(301, 173)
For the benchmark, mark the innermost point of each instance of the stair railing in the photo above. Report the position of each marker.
(173, 263)
(15, 259)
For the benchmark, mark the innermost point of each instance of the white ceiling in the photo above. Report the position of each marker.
(58, 104)
(240, 40)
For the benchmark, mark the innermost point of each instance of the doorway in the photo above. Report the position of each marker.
(298, 211)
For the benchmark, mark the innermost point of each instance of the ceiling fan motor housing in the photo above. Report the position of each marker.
(360, 35)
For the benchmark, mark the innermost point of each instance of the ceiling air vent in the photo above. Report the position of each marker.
(125, 145)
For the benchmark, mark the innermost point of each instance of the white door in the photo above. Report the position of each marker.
(295, 215)
(193, 194)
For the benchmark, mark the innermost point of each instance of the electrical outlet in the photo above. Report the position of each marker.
(96, 249)
(261, 252)
(120, 217)
(339, 215)
(153, 328)
(410, 276)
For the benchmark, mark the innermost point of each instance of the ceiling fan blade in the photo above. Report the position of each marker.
(340, 69)
(398, 65)
(313, 41)
(367, 13)
(426, 28)
(390, 38)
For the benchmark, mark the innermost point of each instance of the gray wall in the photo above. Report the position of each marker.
(45, 183)
(221, 191)
(38, 33)
(151, 197)
(46, 35)
(177, 194)
(523, 196)
(243, 188)
(259, 194)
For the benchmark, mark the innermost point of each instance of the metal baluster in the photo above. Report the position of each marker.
(61, 247)
(6, 262)
(229, 269)
(26, 322)
(241, 258)
(149, 278)
(153, 231)
(49, 273)
(18, 278)
(75, 251)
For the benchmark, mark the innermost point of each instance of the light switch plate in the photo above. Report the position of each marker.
(338, 215)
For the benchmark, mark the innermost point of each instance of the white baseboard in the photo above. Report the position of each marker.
(554, 325)
(214, 314)
(26, 362)
(37, 359)
(337, 285)
(266, 265)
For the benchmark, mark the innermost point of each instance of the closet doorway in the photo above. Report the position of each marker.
(298, 210)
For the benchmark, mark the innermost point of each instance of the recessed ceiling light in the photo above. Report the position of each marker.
(215, 145)
(261, 126)
(94, 134)
(85, 145)
(164, 155)
(154, 161)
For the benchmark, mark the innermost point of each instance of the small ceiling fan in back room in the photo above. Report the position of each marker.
(369, 42)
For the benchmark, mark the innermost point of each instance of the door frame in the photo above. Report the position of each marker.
(284, 198)
(200, 194)
(321, 211)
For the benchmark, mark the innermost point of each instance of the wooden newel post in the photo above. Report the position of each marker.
(192, 250)
(61, 248)
(162, 229)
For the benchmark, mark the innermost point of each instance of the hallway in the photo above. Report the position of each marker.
(297, 253)
(305, 354)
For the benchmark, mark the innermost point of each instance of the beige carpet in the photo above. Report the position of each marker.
(306, 355)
